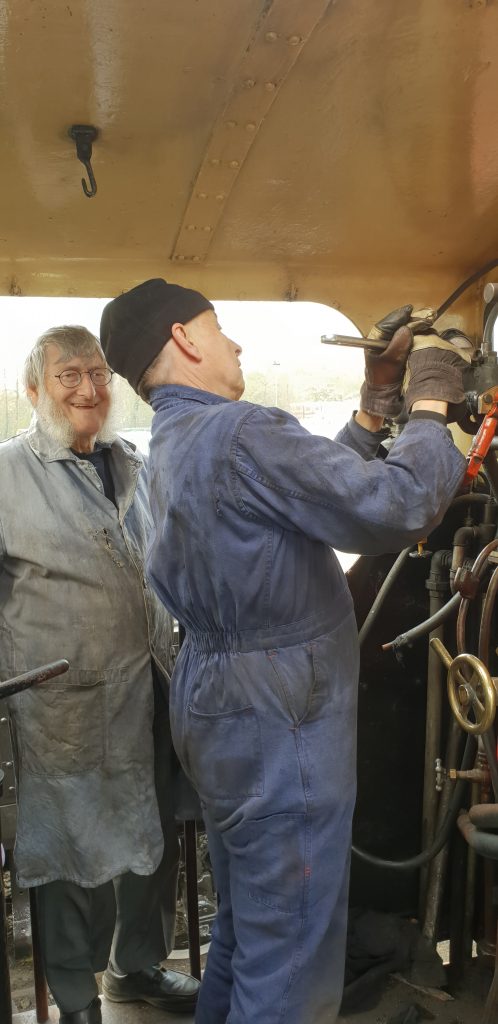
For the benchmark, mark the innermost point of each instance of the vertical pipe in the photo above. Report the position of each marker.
(491, 469)
(486, 946)
(5, 996)
(458, 869)
(438, 586)
(469, 899)
(435, 669)
(41, 995)
(437, 871)
(194, 944)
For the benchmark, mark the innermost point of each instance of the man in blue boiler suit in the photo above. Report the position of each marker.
(247, 506)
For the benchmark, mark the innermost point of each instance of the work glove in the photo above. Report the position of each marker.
(435, 370)
(380, 393)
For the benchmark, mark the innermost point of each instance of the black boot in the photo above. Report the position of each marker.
(92, 1015)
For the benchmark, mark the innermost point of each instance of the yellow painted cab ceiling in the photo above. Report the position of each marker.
(338, 150)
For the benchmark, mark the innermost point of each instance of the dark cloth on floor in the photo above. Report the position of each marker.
(379, 945)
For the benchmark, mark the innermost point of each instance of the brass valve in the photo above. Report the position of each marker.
(470, 689)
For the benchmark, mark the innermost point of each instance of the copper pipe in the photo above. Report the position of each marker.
(486, 618)
(485, 843)
(478, 569)
(484, 816)
(462, 536)
(489, 741)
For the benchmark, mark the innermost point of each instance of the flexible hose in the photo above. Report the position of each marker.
(413, 863)
(490, 265)
(424, 627)
(441, 838)
(386, 586)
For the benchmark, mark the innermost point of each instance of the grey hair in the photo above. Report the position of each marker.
(72, 341)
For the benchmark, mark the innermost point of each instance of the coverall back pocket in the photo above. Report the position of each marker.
(225, 754)
(61, 731)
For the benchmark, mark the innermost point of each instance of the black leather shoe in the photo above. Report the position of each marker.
(92, 1015)
(167, 990)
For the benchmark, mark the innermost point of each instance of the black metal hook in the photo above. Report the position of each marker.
(84, 135)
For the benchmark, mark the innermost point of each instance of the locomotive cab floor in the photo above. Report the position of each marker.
(116, 1013)
(398, 1001)
(466, 1008)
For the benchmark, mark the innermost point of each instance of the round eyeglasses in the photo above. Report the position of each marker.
(72, 378)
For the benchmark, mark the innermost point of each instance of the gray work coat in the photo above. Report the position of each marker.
(72, 586)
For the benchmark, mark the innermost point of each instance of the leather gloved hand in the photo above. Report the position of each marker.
(419, 321)
(380, 393)
(435, 370)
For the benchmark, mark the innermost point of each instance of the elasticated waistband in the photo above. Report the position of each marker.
(233, 642)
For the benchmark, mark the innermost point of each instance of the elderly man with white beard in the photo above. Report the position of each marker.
(96, 834)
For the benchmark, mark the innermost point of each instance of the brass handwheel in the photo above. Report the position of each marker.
(470, 690)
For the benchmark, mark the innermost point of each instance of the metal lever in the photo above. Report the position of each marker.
(345, 339)
(33, 678)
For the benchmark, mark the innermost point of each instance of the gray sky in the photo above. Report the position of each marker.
(281, 332)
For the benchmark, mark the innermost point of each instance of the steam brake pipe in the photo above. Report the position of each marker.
(437, 584)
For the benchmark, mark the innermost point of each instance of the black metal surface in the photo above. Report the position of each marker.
(391, 736)
(391, 731)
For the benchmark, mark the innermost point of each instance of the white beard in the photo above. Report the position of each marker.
(59, 429)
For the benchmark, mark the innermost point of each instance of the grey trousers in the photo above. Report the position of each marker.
(130, 921)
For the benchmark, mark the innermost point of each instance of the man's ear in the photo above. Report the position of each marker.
(184, 342)
(32, 394)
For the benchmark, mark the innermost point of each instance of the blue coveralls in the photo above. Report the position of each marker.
(245, 504)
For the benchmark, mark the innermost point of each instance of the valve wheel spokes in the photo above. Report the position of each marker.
(471, 689)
